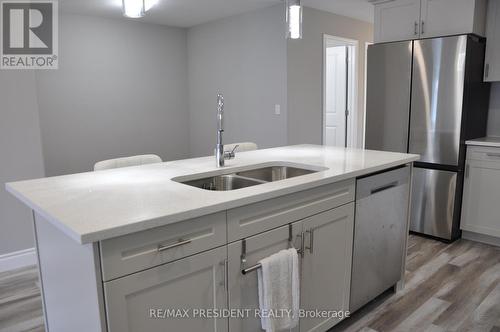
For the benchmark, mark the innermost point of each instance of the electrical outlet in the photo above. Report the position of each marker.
(277, 109)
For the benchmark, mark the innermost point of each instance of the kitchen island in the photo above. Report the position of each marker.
(118, 247)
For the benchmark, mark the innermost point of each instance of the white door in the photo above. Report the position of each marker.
(196, 282)
(397, 20)
(446, 17)
(326, 266)
(335, 96)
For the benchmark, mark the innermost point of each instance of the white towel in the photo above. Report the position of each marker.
(279, 291)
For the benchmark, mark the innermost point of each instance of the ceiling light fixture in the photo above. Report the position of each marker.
(294, 19)
(137, 8)
(133, 8)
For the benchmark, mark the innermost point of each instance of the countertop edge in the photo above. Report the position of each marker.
(141, 225)
(487, 144)
(488, 141)
(56, 223)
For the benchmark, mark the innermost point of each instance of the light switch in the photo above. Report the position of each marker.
(277, 109)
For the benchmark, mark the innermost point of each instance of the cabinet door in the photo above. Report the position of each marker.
(492, 58)
(446, 17)
(196, 282)
(397, 20)
(243, 289)
(481, 192)
(326, 267)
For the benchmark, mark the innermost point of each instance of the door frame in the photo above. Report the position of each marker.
(363, 133)
(352, 90)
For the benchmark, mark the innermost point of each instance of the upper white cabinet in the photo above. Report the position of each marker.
(452, 17)
(492, 59)
(397, 20)
(414, 19)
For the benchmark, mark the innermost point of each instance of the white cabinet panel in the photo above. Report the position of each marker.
(481, 193)
(446, 17)
(397, 20)
(139, 251)
(326, 266)
(262, 216)
(196, 282)
(243, 289)
(413, 19)
(492, 58)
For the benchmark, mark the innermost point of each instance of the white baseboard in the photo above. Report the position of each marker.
(17, 259)
(488, 239)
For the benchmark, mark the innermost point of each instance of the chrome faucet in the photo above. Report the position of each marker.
(220, 155)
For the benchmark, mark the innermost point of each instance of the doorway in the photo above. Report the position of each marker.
(339, 91)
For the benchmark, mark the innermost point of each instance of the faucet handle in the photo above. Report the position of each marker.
(231, 154)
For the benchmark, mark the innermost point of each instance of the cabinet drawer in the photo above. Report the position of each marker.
(131, 253)
(255, 218)
(483, 153)
(196, 282)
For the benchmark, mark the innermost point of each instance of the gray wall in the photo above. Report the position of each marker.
(305, 72)
(494, 112)
(21, 153)
(120, 90)
(244, 57)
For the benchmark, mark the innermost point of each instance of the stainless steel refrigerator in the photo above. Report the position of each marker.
(427, 97)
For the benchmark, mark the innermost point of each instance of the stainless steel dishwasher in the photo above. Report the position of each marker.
(379, 234)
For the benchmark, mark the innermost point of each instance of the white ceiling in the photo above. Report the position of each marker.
(187, 13)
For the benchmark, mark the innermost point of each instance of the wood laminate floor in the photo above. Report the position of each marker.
(20, 301)
(449, 287)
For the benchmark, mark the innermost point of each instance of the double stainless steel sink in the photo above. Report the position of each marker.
(247, 178)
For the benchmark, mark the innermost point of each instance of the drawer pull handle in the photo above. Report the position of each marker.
(494, 155)
(311, 240)
(181, 242)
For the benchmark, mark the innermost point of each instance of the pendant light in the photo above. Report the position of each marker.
(294, 19)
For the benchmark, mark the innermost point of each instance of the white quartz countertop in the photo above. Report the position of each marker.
(95, 206)
(485, 141)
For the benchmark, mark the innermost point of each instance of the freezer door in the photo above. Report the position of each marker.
(432, 202)
(437, 96)
(388, 96)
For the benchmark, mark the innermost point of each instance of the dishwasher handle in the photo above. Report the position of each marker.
(380, 182)
(385, 187)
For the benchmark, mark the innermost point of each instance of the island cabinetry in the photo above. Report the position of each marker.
(170, 297)
(255, 218)
(243, 289)
(326, 267)
(166, 277)
(324, 241)
(139, 251)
